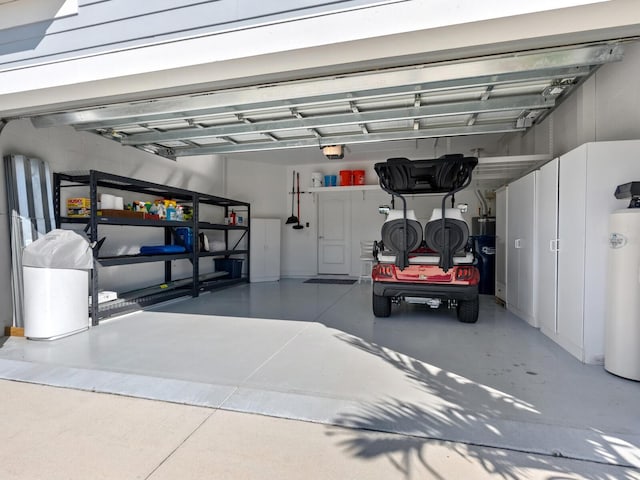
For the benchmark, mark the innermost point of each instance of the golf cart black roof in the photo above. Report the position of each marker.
(439, 175)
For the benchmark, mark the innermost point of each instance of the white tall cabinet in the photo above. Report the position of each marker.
(501, 243)
(547, 247)
(587, 178)
(572, 263)
(265, 250)
(521, 218)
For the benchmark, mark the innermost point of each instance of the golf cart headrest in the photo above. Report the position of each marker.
(440, 175)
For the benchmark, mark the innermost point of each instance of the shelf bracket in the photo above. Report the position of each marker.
(244, 234)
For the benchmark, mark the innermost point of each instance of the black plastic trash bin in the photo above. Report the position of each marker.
(485, 247)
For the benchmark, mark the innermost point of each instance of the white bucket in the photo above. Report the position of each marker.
(316, 179)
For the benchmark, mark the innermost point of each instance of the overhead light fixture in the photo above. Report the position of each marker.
(333, 152)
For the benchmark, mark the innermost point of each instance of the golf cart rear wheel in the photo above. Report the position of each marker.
(381, 306)
(468, 310)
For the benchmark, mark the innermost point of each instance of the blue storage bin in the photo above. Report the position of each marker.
(233, 266)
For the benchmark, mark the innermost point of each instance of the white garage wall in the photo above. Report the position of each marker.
(65, 149)
(605, 108)
(300, 247)
(260, 184)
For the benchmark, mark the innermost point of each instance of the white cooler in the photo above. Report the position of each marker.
(56, 302)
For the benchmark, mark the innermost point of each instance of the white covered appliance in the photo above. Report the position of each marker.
(622, 327)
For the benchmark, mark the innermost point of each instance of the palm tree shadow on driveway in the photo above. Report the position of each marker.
(478, 419)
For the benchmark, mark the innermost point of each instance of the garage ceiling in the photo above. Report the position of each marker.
(479, 96)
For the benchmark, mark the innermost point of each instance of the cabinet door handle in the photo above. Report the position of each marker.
(518, 243)
(554, 245)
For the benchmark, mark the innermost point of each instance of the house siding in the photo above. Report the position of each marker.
(108, 25)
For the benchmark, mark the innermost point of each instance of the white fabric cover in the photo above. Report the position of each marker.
(453, 213)
(398, 215)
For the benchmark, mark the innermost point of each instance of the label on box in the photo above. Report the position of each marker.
(78, 212)
(78, 207)
(78, 203)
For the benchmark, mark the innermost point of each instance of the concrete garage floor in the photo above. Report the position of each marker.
(496, 384)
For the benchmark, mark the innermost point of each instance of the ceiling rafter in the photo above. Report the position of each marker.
(299, 116)
(349, 139)
(356, 110)
(386, 115)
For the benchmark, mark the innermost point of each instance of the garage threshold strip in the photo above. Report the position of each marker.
(269, 402)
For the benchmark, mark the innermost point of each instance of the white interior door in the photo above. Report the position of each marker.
(334, 232)
(546, 246)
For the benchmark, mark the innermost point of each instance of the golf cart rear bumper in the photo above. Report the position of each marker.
(444, 292)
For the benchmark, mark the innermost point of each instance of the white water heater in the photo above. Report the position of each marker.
(622, 328)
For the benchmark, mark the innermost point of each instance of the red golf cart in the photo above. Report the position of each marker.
(435, 265)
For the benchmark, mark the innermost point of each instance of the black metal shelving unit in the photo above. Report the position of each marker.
(128, 301)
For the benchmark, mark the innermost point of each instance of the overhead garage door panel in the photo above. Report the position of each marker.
(479, 96)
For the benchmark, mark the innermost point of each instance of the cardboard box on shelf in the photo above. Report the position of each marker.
(105, 212)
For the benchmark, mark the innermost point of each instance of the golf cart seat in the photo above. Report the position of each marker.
(393, 232)
(456, 235)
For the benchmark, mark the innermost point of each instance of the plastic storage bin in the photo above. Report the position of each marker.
(485, 246)
(184, 237)
(233, 266)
